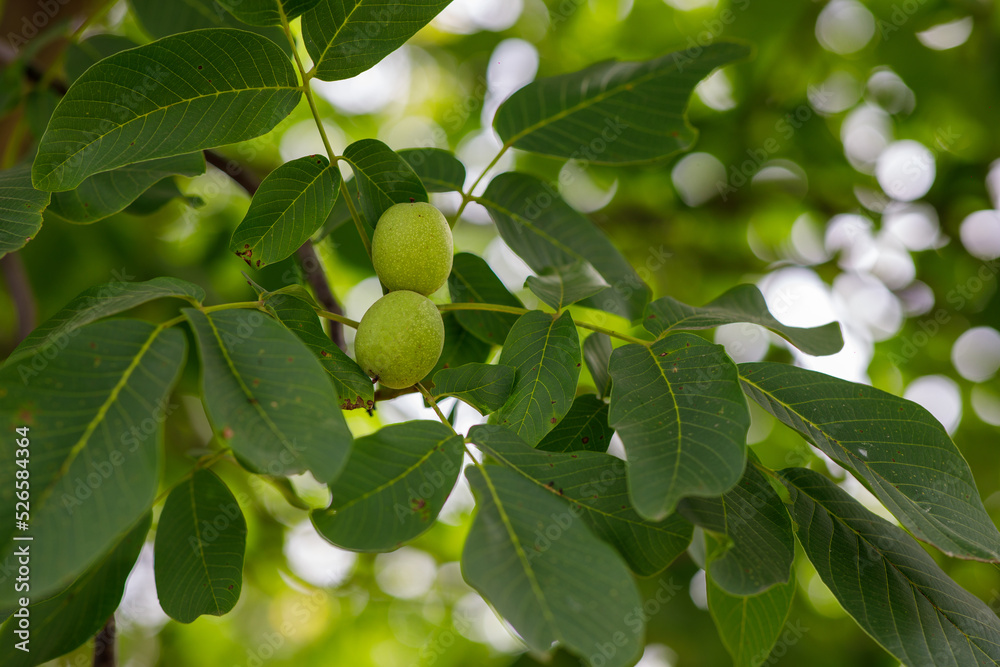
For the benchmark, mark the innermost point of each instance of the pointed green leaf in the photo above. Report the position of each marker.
(584, 428)
(353, 386)
(678, 408)
(198, 555)
(166, 98)
(594, 486)
(95, 410)
(613, 112)
(81, 55)
(439, 170)
(292, 202)
(890, 586)
(267, 12)
(346, 37)
(483, 386)
(161, 19)
(545, 231)
(545, 352)
(267, 396)
(460, 346)
(758, 547)
(565, 284)
(21, 207)
(473, 281)
(750, 625)
(383, 178)
(539, 565)
(393, 486)
(743, 303)
(93, 304)
(895, 446)
(109, 192)
(597, 355)
(62, 623)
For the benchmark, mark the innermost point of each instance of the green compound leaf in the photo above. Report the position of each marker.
(594, 486)
(545, 353)
(584, 428)
(354, 387)
(546, 232)
(393, 487)
(597, 355)
(901, 453)
(473, 281)
(62, 623)
(612, 112)
(483, 386)
(439, 170)
(267, 12)
(267, 396)
(539, 565)
(749, 626)
(96, 414)
(161, 19)
(743, 303)
(293, 201)
(383, 178)
(758, 547)
(678, 408)
(21, 207)
(165, 98)
(890, 586)
(109, 192)
(563, 285)
(198, 554)
(346, 37)
(93, 304)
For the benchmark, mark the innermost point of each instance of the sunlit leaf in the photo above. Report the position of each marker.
(562, 285)
(483, 386)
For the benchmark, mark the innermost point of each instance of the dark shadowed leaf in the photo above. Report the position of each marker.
(750, 625)
(165, 98)
(354, 387)
(545, 232)
(168, 18)
(383, 178)
(159, 195)
(594, 486)
(483, 386)
(584, 428)
(613, 112)
(292, 202)
(198, 555)
(473, 281)
(439, 170)
(758, 546)
(267, 12)
(81, 55)
(60, 624)
(346, 37)
(895, 446)
(562, 285)
(21, 207)
(267, 396)
(109, 192)
(393, 486)
(678, 408)
(597, 354)
(743, 303)
(97, 407)
(101, 301)
(569, 587)
(890, 586)
(544, 350)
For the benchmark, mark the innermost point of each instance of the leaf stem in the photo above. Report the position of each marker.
(201, 463)
(358, 224)
(467, 196)
(337, 318)
(430, 399)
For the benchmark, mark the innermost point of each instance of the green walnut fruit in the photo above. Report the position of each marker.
(399, 339)
(412, 248)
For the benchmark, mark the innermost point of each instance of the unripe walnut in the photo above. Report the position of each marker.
(412, 248)
(399, 339)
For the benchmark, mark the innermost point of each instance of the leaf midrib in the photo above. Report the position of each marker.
(201, 547)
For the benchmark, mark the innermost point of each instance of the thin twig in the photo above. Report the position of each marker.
(105, 653)
(20, 293)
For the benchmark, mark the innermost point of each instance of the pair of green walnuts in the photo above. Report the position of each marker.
(401, 336)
